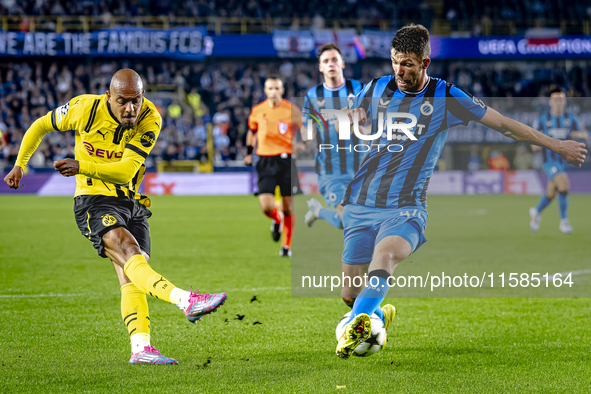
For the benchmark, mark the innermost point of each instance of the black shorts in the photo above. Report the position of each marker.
(273, 171)
(97, 215)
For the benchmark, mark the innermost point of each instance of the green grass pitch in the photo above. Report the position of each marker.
(61, 328)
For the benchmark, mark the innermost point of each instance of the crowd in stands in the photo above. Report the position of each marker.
(332, 9)
(193, 95)
(477, 16)
(489, 12)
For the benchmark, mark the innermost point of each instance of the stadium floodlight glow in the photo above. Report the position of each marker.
(345, 125)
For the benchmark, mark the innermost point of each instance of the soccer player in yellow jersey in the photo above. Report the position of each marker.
(115, 132)
(2, 141)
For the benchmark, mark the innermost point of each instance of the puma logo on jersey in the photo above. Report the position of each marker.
(104, 135)
(158, 281)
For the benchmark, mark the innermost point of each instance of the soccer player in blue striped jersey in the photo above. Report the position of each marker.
(562, 125)
(337, 161)
(384, 215)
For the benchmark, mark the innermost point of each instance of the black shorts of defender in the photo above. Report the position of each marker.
(273, 171)
(97, 215)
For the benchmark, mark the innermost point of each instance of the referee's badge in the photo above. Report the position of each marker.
(283, 127)
(426, 108)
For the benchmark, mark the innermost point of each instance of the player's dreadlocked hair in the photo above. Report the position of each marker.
(413, 39)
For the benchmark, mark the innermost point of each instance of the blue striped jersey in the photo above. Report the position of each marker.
(558, 127)
(344, 159)
(398, 178)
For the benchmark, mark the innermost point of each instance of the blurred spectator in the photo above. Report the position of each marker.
(174, 109)
(474, 159)
(523, 158)
(497, 161)
(221, 141)
(171, 153)
(194, 100)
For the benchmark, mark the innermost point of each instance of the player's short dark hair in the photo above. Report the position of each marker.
(331, 46)
(413, 39)
(273, 77)
(556, 90)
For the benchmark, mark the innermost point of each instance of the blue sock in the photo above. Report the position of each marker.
(543, 203)
(378, 312)
(371, 297)
(563, 205)
(331, 216)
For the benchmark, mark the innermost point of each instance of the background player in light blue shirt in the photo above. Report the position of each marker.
(562, 125)
(337, 161)
(385, 215)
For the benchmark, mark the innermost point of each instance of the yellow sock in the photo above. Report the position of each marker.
(134, 310)
(146, 279)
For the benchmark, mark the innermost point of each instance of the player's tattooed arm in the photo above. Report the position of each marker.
(571, 151)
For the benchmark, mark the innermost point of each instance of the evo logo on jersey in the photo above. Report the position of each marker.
(148, 139)
(107, 154)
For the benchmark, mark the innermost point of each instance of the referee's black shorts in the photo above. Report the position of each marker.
(280, 170)
(97, 215)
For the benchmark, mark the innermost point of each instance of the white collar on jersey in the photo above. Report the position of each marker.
(420, 91)
(334, 89)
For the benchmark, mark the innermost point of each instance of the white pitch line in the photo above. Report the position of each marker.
(57, 295)
(50, 295)
(574, 273)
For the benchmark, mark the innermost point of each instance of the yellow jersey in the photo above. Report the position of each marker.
(111, 159)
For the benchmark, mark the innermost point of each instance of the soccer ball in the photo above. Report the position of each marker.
(375, 341)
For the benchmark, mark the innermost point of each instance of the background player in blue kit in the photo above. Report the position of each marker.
(384, 215)
(562, 125)
(335, 167)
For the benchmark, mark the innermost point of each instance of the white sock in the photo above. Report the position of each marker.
(139, 341)
(180, 298)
